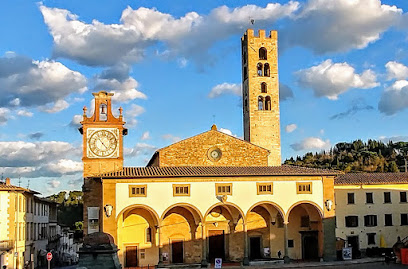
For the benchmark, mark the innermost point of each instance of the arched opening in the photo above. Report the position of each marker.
(103, 112)
(265, 231)
(137, 236)
(262, 54)
(266, 70)
(259, 68)
(181, 234)
(224, 228)
(267, 103)
(264, 87)
(260, 103)
(305, 235)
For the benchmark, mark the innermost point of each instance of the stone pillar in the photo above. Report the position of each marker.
(285, 238)
(159, 245)
(246, 259)
(204, 262)
(329, 239)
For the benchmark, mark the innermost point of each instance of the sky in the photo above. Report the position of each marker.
(175, 68)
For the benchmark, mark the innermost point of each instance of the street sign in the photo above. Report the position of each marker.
(218, 263)
(49, 256)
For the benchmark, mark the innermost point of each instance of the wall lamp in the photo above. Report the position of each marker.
(108, 210)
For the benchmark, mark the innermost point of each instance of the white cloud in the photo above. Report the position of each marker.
(190, 37)
(64, 167)
(227, 131)
(145, 136)
(311, 143)
(56, 107)
(285, 92)
(330, 79)
(396, 70)
(171, 137)
(36, 159)
(225, 88)
(132, 113)
(4, 115)
(117, 80)
(76, 121)
(140, 149)
(26, 83)
(339, 25)
(24, 113)
(290, 127)
(394, 98)
(320, 25)
(54, 183)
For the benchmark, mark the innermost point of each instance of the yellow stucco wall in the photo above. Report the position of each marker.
(379, 208)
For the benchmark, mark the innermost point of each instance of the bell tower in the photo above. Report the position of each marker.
(260, 92)
(102, 137)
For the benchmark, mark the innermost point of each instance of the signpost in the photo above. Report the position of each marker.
(218, 263)
(49, 258)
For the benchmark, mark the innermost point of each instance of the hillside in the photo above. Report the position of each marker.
(358, 156)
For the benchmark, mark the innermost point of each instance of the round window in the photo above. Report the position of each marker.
(214, 154)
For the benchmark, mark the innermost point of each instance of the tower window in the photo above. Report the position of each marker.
(262, 54)
(103, 116)
(266, 70)
(259, 67)
(267, 103)
(264, 87)
(260, 103)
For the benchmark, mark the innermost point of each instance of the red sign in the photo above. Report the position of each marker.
(49, 256)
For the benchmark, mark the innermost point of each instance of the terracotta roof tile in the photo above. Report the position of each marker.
(371, 178)
(206, 171)
(6, 187)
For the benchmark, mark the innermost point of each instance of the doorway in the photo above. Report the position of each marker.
(131, 256)
(255, 248)
(216, 244)
(177, 251)
(352, 242)
(310, 245)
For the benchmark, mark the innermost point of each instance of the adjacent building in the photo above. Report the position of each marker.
(371, 209)
(26, 224)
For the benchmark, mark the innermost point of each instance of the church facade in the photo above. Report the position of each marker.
(211, 195)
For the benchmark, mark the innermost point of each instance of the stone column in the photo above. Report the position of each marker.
(204, 262)
(159, 245)
(286, 254)
(246, 259)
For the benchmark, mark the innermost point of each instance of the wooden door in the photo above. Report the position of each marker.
(255, 248)
(131, 256)
(177, 251)
(216, 245)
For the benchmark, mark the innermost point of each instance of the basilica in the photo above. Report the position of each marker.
(211, 195)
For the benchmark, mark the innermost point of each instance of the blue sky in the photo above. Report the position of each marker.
(175, 68)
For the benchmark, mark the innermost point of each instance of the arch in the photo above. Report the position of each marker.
(259, 67)
(260, 103)
(263, 54)
(103, 112)
(154, 214)
(267, 103)
(226, 204)
(264, 87)
(195, 212)
(275, 205)
(317, 207)
(266, 70)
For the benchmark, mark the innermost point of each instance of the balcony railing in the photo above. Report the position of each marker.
(6, 245)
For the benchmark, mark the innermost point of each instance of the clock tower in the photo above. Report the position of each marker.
(102, 152)
(102, 137)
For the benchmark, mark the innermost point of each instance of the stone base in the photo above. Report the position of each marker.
(98, 252)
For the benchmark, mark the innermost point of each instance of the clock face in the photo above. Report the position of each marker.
(103, 143)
